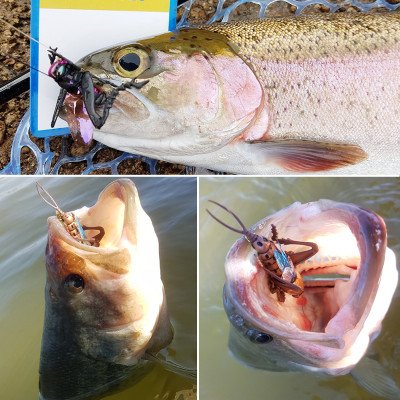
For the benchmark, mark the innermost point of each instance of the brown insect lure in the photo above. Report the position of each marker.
(71, 221)
(279, 265)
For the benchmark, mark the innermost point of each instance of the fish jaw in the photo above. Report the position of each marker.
(326, 329)
(121, 309)
(199, 96)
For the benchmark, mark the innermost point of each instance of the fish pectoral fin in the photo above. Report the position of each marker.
(374, 378)
(307, 155)
(169, 365)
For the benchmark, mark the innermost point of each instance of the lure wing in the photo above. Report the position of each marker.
(282, 259)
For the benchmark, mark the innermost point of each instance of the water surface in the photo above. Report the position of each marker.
(170, 203)
(221, 376)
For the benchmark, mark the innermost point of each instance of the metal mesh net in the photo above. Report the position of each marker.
(218, 10)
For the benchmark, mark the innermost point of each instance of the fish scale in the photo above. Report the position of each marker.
(312, 93)
(303, 38)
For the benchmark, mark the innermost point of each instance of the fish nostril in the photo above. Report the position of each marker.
(52, 295)
(237, 320)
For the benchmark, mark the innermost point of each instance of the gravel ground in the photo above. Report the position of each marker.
(14, 55)
(16, 49)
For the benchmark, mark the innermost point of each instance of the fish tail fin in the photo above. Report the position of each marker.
(307, 155)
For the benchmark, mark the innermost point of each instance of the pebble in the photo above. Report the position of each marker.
(19, 66)
(78, 149)
(10, 118)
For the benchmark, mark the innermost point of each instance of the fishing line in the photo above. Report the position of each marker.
(24, 34)
(22, 62)
(29, 37)
(54, 51)
(53, 54)
(9, 70)
(49, 48)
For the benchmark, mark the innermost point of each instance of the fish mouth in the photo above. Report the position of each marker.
(75, 114)
(348, 283)
(115, 212)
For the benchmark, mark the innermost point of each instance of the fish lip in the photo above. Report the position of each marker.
(369, 230)
(126, 191)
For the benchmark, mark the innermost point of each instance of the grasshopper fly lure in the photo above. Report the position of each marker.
(279, 265)
(71, 222)
(76, 82)
(88, 92)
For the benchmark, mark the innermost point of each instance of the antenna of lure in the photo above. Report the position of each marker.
(23, 33)
(53, 52)
(52, 203)
(31, 38)
(49, 49)
(249, 235)
(22, 62)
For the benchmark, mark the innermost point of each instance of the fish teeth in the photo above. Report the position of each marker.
(327, 261)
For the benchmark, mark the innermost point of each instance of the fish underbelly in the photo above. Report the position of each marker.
(352, 101)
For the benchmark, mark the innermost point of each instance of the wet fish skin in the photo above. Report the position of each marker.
(349, 316)
(96, 338)
(302, 94)
(66, 373)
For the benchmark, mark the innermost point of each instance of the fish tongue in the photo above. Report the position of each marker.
(75, 114)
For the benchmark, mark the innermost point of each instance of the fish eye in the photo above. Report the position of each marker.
(258, 337)
(74, 283)
(259, 244)
(130, 62)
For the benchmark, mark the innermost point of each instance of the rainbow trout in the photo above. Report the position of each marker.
(298, 94)
(349, 285)
(105, 306)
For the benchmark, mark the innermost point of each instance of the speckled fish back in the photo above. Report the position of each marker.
(319, 36)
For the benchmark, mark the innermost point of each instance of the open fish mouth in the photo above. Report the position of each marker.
(118, 307)
(115, 211)
(349, 283)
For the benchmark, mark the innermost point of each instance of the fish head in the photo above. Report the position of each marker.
(109, 299)
(194, 87)
(330, 326)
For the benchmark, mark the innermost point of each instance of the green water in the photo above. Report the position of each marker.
(171, 204)
(221, 376)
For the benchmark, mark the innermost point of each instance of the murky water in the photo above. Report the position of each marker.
(171, 204)
(221, 376)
